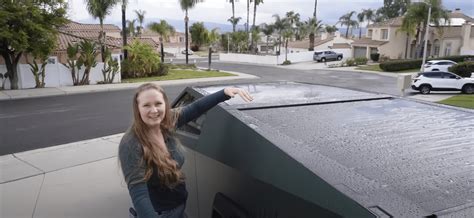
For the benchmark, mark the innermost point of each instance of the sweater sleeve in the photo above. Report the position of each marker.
(130, 156)
(197, 108)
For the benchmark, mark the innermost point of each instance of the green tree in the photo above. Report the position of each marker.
(131, 29)
(415, 20)
(25, 23)
(40, 52)
(346, 20)
(314, 26)
(143, 61)
(280, 24)
(268, 31)
(255, 4)
(366, 15)
(185, 6)
(165, 30)
(98, 9)
(234, 21)
(199, 34)
(72, 63)
(88, 54)
(213, 37)
(330, 29)
(140, 18)
(393, 8)
(287, 34)
(111, 69)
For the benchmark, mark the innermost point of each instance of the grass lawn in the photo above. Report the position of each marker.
(465, 101)
(175, 74)
(375, 67)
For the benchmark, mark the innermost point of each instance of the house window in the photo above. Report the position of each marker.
(369, 33)
(436, 48)
(181, 39)
(384, 34)
(447, 49)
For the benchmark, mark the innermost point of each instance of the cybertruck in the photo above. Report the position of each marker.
(304, 150)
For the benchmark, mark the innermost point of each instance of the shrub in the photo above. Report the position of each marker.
(361, 61)
(194, 48)
(287, 62)
(182, 66)
(391, 66)
(459, 58)
(142, 61)
(351, 62)
(163, 69)
(383, 58)
(375, 57)
(463, 69)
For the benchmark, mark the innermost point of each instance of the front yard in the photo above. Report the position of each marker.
(175, 74)
(464, 101)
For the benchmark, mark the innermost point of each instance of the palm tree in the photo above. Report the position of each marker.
(313, 26)
(141, 18)
(330, 29)
(130, 30)
(361, 18)
(287, 34)
(268, 31)
(416, 18)
(234, 21)
(124, 27)
(279, 25)
(100, 9)
(248, 13)
(165, 30)
(255, 3)
(315, 7)
(185, 6)
(233, 15)
(346, 20)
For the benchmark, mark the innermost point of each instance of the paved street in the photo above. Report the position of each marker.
(39, 122)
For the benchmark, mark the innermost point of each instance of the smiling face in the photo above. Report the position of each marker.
(152, 107)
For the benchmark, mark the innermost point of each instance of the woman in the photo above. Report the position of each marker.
(149, 154)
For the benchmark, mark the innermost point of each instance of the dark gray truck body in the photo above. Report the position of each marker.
(303, 150)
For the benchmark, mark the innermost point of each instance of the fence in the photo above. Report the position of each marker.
(267, 59)
(56, 75)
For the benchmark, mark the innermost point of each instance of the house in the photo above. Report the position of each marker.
(174, 44)
(455, 37)
(326, 41)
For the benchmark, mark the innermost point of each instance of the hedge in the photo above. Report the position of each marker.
(399, 65)
(463, 69)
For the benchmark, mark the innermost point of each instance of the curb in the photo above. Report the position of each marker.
(71, 90)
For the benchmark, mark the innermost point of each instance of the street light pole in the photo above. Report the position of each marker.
(426, 38)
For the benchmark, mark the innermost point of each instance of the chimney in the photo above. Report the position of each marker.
(457, 10)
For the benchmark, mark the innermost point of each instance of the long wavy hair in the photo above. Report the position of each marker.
(153, 155)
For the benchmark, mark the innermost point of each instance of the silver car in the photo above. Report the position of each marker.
(326, 56)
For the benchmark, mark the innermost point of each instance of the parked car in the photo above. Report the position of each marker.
(438, 65)
(442, 81)
(326, 56)
(190, 52)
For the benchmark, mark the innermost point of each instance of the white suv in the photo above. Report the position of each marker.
(442, 81)
(438, 65)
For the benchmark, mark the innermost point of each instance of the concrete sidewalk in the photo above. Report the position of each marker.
(80, 179)
(68, 90)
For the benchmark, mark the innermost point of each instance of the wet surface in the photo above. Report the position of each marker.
(286, 93)
(423, 153)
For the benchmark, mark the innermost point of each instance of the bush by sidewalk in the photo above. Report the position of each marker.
(399, 65)
(463, 69)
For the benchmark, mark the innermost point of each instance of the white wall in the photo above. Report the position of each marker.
(56, 75)
(270, 59)
(346, 52)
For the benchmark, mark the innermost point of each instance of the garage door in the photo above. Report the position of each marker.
(360, 52)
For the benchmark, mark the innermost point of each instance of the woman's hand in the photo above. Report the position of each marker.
(232, 91)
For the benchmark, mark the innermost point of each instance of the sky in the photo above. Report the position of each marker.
(218, 11)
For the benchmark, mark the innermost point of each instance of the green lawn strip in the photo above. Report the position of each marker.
(175, 74)
(376, 67)
(465, 101)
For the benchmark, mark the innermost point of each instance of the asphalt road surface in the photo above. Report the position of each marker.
(28, 124)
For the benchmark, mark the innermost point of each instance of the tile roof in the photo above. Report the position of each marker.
(368, 41)
(397, 21)
(458, 14)
(66, 38)
(305, 43)
(73, 26)
(340, 45)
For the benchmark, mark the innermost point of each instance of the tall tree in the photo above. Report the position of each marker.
(346, 20)
(99, 9)
(185, 6)
(234, 21)
(361, 18)
(393, 8)
(315, 8)
(124, 28)
(416, 17)
(131, 29)
(199, 34)
(268, 31)
(313, 26)
(248, 15)
(165, 30)
(255, 4)
(22, 24)
(233, 15)
(140, 18)
(330, 29)
(279, 25)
